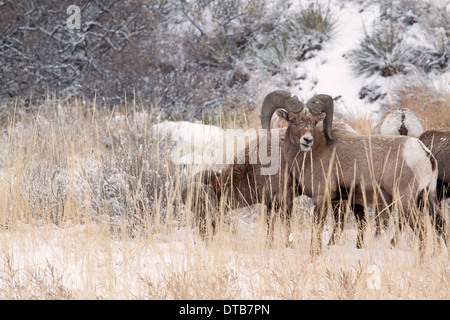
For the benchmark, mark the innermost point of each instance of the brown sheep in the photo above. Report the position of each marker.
(240, 185)
(200, 197)
(438, 141)
(404, 122)
(361, 169)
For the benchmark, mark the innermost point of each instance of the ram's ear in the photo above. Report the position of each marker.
(283, 114)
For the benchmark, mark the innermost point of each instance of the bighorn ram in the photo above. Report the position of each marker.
(377, 170)
(241, 185)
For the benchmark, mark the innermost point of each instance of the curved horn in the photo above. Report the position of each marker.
(275, 100)
(323, 103)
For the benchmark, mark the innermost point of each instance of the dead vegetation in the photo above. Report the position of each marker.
(90, 208)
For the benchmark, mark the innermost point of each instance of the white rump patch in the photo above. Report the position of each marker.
(415, 154)
(393, 122)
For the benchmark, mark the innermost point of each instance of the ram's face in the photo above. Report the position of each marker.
(302, 126)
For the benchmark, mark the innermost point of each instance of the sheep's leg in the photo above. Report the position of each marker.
(361, 220)
(203, 230)
(417, 225)
(272, 210)
(338, 224)
(270, 224)
(320, 211)
(438, 220)
(381, 222)
(382, 212)
(400, 225)
(440, 225)
(411, 212)
(287, 223)
(437, 217)
(206, 226)
(442, 190)
(402, 222)
(205, 208)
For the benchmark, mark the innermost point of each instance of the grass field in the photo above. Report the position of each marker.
(90, 209)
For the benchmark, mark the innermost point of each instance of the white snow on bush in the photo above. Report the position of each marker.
(329, 71)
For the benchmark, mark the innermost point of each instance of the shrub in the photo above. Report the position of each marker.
(314, 20)
(88, 165)
(382, 52)
(272, 54)
(298, 35)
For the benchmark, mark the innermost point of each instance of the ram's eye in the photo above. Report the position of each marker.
(291, 121)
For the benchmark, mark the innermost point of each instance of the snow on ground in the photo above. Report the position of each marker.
(330, 71)
(85, 262)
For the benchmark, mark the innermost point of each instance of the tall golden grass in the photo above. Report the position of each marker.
(90, 209)
(362, 124)
(429, 102)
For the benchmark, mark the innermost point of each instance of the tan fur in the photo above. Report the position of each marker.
(438, 141)
(363, 167)
(241, 185)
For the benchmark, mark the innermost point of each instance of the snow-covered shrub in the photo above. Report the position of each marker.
(65, 161)
(300, 33)
(213, 43)
(133, 182)
(126, 191)
(424, 28)
(371, 93)
(233, 25)
(437, 28)
(439, 17)
(315, 20)
(272, 54)
(169, 53)
(381, 52)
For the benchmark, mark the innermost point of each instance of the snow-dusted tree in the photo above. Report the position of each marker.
(186, 57)
(151, 49)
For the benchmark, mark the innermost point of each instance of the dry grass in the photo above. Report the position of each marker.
(90, 209)
(362, 124)
(430, 103)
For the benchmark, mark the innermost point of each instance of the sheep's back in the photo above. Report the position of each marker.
(438, 141)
